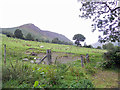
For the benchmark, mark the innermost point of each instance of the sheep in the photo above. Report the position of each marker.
(67, 48)
(35, 58)
(41, 46)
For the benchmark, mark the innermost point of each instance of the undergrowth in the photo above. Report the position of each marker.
(24, 75)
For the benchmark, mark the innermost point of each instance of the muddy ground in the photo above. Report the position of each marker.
(61, 57)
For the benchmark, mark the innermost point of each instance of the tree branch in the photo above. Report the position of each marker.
(106, 5)
(115, 9)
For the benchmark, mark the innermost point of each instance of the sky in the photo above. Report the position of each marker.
(61, 16)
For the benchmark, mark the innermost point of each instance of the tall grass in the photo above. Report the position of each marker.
(18, 74)
(26, 75)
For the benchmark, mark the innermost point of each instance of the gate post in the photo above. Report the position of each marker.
(49, 57)
(82, 61)
(5, 54)
(87, 58)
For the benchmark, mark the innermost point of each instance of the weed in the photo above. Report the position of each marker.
(89, 69)
(82, 83)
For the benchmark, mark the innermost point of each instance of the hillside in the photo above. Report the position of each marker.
(65, 72)
(36, 32)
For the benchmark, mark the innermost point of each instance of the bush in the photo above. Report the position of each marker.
(82, 83)
(56, 40)
(88, 46)
(108, 46)
(98, 47)
(18, 34)
(112, 57)
(29, 37)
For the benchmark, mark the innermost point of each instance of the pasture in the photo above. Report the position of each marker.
(65, 73)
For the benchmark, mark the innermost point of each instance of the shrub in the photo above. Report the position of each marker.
(98, 47)
(56, 40)
(88, 46)
(112, 57)
(29, 37)
(82, 83)
(106, 64)
(108, 46)
(18, 34)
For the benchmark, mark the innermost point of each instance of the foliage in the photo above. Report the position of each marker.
(42, 76)
(88, 46)
(108, 46)
(15, 71)
(36, 85)
(82, 83)
(106, 64)
(36, 39)
(29, 37)
(98, 47)
(105, 17)
(47, 41)
(112, 57)
(18, 34)
(8, 34)
(57, 41)
(89, 69)
(78, 38)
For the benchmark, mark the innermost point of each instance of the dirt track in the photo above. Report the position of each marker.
(61, 57)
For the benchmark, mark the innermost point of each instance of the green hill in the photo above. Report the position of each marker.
(24, 74)
(36, 32)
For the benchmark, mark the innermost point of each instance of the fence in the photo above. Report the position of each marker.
(49, 57)
(83, 60)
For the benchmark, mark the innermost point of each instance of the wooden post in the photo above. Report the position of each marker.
(82, 61)
(87, 58)
(49, 57)
(5, 54)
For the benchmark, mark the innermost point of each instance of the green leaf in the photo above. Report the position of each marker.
(36, 84)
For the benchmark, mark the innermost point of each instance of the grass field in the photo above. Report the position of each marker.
(19, 74)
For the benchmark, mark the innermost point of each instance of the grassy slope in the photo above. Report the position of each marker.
(16, 49)
(36, 32)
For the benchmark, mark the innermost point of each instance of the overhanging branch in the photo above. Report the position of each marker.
(115, 9)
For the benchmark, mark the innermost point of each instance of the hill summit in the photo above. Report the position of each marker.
(36, 32)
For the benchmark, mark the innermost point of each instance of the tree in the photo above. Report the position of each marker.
(105, 17)
(9, 34)
(47, 41)
(18, 34)
(29, 37)
(89, 46)
(56, 40)
(70, 43)
(41, 40)
(37, 40)
(98, 47)
(78, 38)
(108, 46)
(104, 46)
